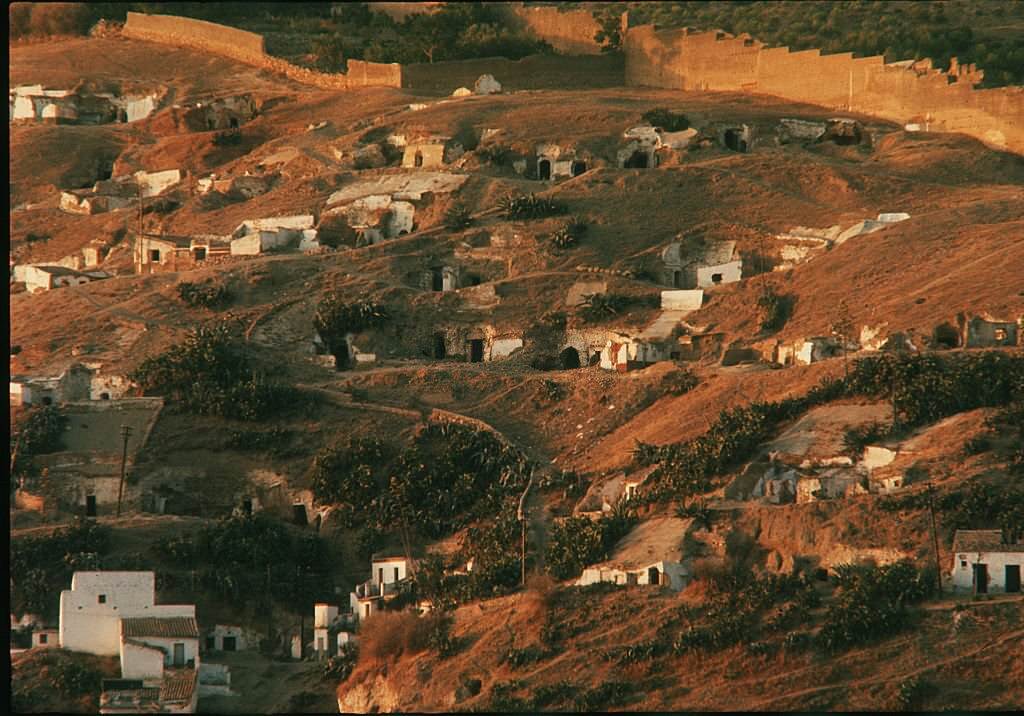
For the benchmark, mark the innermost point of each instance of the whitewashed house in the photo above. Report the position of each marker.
(663, 573)
(983, 562)
(108, 613)
(389, 572)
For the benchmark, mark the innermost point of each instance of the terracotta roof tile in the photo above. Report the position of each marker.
(178, 685)
(983, 541)
(184, 627)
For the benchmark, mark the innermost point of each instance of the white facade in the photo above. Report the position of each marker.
(721, 273)
(155, 183)
(504, 347)
(234, 634)
(670, 574)
(981, 564)
(91, 611)
(684, 300)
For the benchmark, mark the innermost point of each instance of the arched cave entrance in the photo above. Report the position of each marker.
(637, 160)
(569, 358)
(544, 170)
(578, 168)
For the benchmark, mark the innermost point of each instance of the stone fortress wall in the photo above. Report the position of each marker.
(570, 32)
(904, 92)
(249, 48)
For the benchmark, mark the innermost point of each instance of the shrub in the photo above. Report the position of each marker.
(857, 438)
(209, 295)
(496, 154)
(679, 382)
(335, 318)
(227, 138)
(872, 603)
(530, 207)
(608, 694)
(775, 309)
(977, 445)
(578, 541)
(457, 218)
(211, 375)
(338, 668)
(387, 635)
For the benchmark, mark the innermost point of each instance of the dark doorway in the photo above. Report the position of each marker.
(437, 279)
(578, 168)
(380, 575)
(439, 350)
(637, 160)
(247, 507)
(595, 358)
(474, 280)
(734, 140)
(570, 358)
(1013, 578)
(677, 279)
(946, 336)
(981, 579)
(418, 159)
(341, 359)
(233, 123)
(210, 123)
(476, 350)
(653, 575)
(200, 254)
(104, 396)
(543, 170)
(154, 255)
(179, 654)
(47, 400)
(299, 515)
(211, 643)
(90, 505)
(230, 643)
(631, 578)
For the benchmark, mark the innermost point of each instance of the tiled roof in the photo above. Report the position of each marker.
(983, 541)
(178, 685)
(144, 645)
(135, 700)
(185, 627)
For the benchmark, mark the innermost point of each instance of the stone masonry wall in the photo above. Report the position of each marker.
(249, 48)
(570, 33)
(717, 61)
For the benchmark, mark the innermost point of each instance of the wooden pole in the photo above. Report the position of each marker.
(935, 541)
(125, 432)
(521, 514)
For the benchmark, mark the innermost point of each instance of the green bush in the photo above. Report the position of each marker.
(457, 218)
(208, 295)
(872, 603)
(335, 318)
(579, 541)
(857, 438)
(530, 207)
(210, 374)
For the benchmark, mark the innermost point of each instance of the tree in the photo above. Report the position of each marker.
(610, 34)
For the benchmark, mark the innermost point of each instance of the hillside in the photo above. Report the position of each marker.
(435, 356)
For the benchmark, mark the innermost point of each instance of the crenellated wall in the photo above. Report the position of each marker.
(902, 92)
(249, 48)
(570, 33)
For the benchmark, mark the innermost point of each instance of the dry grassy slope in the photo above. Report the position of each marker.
(33, 679)
(978, 668)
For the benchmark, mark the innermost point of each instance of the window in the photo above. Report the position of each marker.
(716, 278)
(154, 255)
(101, 599)
(42, 638)
(963, 562)
(396, 574)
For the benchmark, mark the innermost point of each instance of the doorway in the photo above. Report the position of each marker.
(179, 654)
(578, 168)
(231, 643)
(476, 350)
(247, 507)
(570, 358)
(734, 140)
(90, 505)
(653, 575)
(439, 349)
(1012, 578)
(637, 160)
(299, 515)
(677, 279)
(544, 170)
(437, 279)
(418, 159)
(981, 579)
(200, 253)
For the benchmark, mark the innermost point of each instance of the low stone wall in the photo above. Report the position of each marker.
(249, 48)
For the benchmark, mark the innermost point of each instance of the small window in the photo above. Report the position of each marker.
(396, 574)
(42, 638)
(102, 599)
(154, 255)
(963, 562)
(716, 278)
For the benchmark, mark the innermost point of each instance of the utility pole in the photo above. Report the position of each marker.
(521, 514)
(935, 541)
(125, 432)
